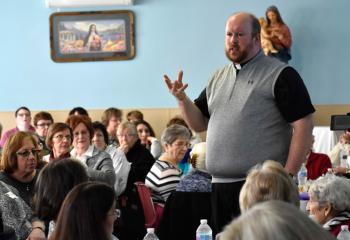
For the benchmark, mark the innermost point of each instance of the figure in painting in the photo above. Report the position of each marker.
(93, 40)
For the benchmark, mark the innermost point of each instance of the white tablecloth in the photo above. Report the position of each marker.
(325, 139)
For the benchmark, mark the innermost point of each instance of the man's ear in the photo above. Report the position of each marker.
(328, 209)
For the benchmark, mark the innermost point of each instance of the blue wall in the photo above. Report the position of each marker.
(170, 35)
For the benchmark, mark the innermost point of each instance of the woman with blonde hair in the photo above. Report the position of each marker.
(268, 181)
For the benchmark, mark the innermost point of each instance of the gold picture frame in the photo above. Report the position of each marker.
(92, 36)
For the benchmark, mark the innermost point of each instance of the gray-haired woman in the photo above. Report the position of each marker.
(330, 202)
(164, 174)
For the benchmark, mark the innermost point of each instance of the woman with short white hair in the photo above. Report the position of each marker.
(330, 202)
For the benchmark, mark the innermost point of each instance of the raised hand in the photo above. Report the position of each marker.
(176, 88)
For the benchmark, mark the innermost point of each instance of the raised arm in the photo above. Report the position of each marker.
(302, 136)
(190, 112)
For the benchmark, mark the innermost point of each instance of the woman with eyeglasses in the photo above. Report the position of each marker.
(59, 139)
(19, 162)
(164, 175)
(98, 163)
(88, 213)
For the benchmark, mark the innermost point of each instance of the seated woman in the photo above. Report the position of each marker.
(120, 163)
(268, 181)
(198, 179)
(148, 138)
(164, 175)
(99, 163)
(54, 182)
(329, 202)
(88, 212)
(19, 162)
(59, 139)
(190, 203)
(273, 220)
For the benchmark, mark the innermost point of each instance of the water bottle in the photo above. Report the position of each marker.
(344, 234)
(150, 235)
(204, 232)
(302, 178)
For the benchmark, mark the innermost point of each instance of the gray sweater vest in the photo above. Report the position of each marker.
(245, 125)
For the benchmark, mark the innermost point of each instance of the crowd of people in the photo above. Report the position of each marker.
(73, 180)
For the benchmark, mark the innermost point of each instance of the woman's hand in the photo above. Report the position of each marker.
(340, 170)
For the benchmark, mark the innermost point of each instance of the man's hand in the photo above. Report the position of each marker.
(176, 88)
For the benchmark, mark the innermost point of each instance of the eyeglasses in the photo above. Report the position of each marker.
(181, 144)
(44, 125)
(26, 153)
(61, 137)
(125, 135)
(115, 212)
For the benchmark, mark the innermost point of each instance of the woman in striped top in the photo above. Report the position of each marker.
(164, 175)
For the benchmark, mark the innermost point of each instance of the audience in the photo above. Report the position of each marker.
(148, 138)
(58, 140)
(273, 220)
(88, 213)
(18, 164)
(54, 182)
(329, 202)
(111, 118)
(99, 163)
(134, 116)
(23, 119)
(120, 163)
(42, 121)
(164, 174)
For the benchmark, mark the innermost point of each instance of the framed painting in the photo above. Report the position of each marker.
(92, 36)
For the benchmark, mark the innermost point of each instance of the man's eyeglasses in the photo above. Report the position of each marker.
(61, 137)
(26, 153)
(44, 125)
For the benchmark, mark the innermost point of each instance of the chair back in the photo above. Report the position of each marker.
(152, 216)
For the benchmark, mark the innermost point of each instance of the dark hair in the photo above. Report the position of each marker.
(275, 10)
(54, 182)
(178, 120)
(109, 113)
(53, 129)
(20, 108)
(99, 126)
(84, 212)
(151, 131)
(42, 116)
(136, 114)
(74, 120)
(12, 145)
(79, 110)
